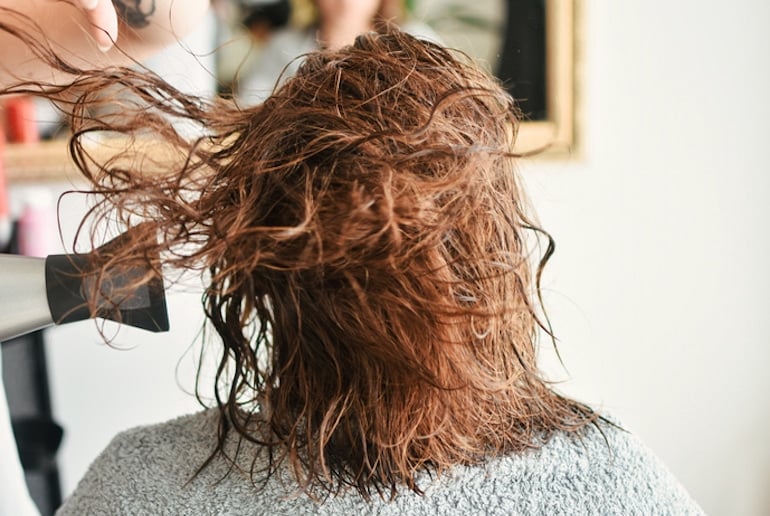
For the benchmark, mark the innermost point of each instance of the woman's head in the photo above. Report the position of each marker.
(365, 240)
(373, 221)
(370, 220)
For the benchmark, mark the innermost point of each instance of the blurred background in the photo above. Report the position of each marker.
(659, 289)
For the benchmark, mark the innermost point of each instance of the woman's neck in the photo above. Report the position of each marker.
(339, 34)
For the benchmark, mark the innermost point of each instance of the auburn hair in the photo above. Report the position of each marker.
(367, 251)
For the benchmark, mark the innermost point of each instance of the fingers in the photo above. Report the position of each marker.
(104, 21)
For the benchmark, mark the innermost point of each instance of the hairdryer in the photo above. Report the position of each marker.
(59, 289)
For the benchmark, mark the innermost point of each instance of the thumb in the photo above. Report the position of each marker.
(104, 21)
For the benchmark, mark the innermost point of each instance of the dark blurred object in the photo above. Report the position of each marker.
(522, 61)
(38, 439)
(261, 18)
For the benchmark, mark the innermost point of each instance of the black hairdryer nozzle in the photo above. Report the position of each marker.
(72, 279)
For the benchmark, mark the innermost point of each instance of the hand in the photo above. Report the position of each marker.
(104, 21)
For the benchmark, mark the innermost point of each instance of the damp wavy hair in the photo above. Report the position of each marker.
(366, 245)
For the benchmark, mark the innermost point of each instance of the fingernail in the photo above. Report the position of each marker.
(104, 40)
(89, 5)
(105, 44)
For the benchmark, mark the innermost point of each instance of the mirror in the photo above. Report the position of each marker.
(529, 44)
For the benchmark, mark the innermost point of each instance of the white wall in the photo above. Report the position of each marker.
(659, 287)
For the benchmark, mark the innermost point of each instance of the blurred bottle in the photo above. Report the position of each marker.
(37, 228)
(6, 227)
(21, 120)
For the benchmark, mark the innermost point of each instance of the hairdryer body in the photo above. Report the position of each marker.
(59, 289)
(23, 296)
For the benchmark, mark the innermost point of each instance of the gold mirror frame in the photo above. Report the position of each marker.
(50, 161)
(556, 135)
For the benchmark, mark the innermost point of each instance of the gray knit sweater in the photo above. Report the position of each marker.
(148, 470)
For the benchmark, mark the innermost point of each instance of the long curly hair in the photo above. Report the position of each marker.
(367, 251)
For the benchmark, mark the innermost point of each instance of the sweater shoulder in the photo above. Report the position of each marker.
(602, 469)
(144, 467)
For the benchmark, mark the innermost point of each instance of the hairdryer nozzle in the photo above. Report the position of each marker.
(79, 287)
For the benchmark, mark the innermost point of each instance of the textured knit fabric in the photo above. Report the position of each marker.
(148, 471)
